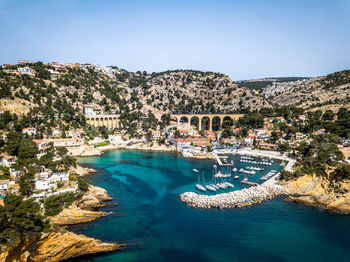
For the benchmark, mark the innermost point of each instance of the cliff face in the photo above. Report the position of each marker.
(81, 171)
(94, 198)
(319, 191)
(74, 215)
(52, 247)
(82, 211)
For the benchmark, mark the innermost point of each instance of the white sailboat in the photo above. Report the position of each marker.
(199, 186)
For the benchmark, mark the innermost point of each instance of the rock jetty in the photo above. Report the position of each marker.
(239, 198)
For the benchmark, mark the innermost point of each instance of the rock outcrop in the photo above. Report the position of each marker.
(81, 171)
(75, 215)
(94, 198)
(83, 210)
(52, 247)
(319, 191)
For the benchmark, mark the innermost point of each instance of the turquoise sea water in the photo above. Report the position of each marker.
(158, 227)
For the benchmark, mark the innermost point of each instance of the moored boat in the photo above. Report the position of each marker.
(228, 184)
(200, 187)
(210, 188)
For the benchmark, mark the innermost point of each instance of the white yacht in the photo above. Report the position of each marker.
(211, 188)
(200, 187)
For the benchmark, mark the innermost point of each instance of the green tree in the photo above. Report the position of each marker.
(19, 217)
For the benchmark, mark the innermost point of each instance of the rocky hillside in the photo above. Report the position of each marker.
(329, 89)
(113, 90)
(119, 90)
(196, 92)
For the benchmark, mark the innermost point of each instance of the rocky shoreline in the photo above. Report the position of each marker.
(239, 198)
(83, 210)
(52, 247)
(62, 245)
(320, 191)
(140, 147)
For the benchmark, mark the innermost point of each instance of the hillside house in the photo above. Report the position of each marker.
(31, 131)
(4, 186)
(7, 160)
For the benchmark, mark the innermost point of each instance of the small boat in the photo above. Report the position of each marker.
(211, 188)
(215, 186)
(245, 179)
(234, 169)
(200, 187)
(228, 184)
(221, 185)
(236, 177)
(195, 170)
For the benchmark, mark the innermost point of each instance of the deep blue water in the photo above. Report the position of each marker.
(158, 227)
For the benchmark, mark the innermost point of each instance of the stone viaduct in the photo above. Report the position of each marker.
(210, 118)
(203, 120)
(109, 121)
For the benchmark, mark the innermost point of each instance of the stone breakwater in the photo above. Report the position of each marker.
(239, 198)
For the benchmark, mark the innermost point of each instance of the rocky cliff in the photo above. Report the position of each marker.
(74, 215)
(82, 210)
(319, 191)
(80, 171)
(51, 247)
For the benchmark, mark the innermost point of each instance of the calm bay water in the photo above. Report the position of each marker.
(158, 227)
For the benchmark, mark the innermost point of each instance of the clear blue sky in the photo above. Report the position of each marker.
(244, 39)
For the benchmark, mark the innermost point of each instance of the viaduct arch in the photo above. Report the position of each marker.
(201, 117)
(113, 121)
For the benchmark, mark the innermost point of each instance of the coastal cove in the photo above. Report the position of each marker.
(157, 226)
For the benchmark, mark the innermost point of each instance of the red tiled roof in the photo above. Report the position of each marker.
(4, 182)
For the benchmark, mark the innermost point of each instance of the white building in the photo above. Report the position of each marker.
(7, 160)
(89, 110)
(64, 142)
(4, 186)
(29, 131)
(48, 180)
(25, 70)
(58, 177)
(42, 185)
(115, 139)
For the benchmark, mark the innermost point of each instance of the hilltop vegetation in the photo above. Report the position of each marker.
(261, 84)
(329, 89)
(137, 96)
